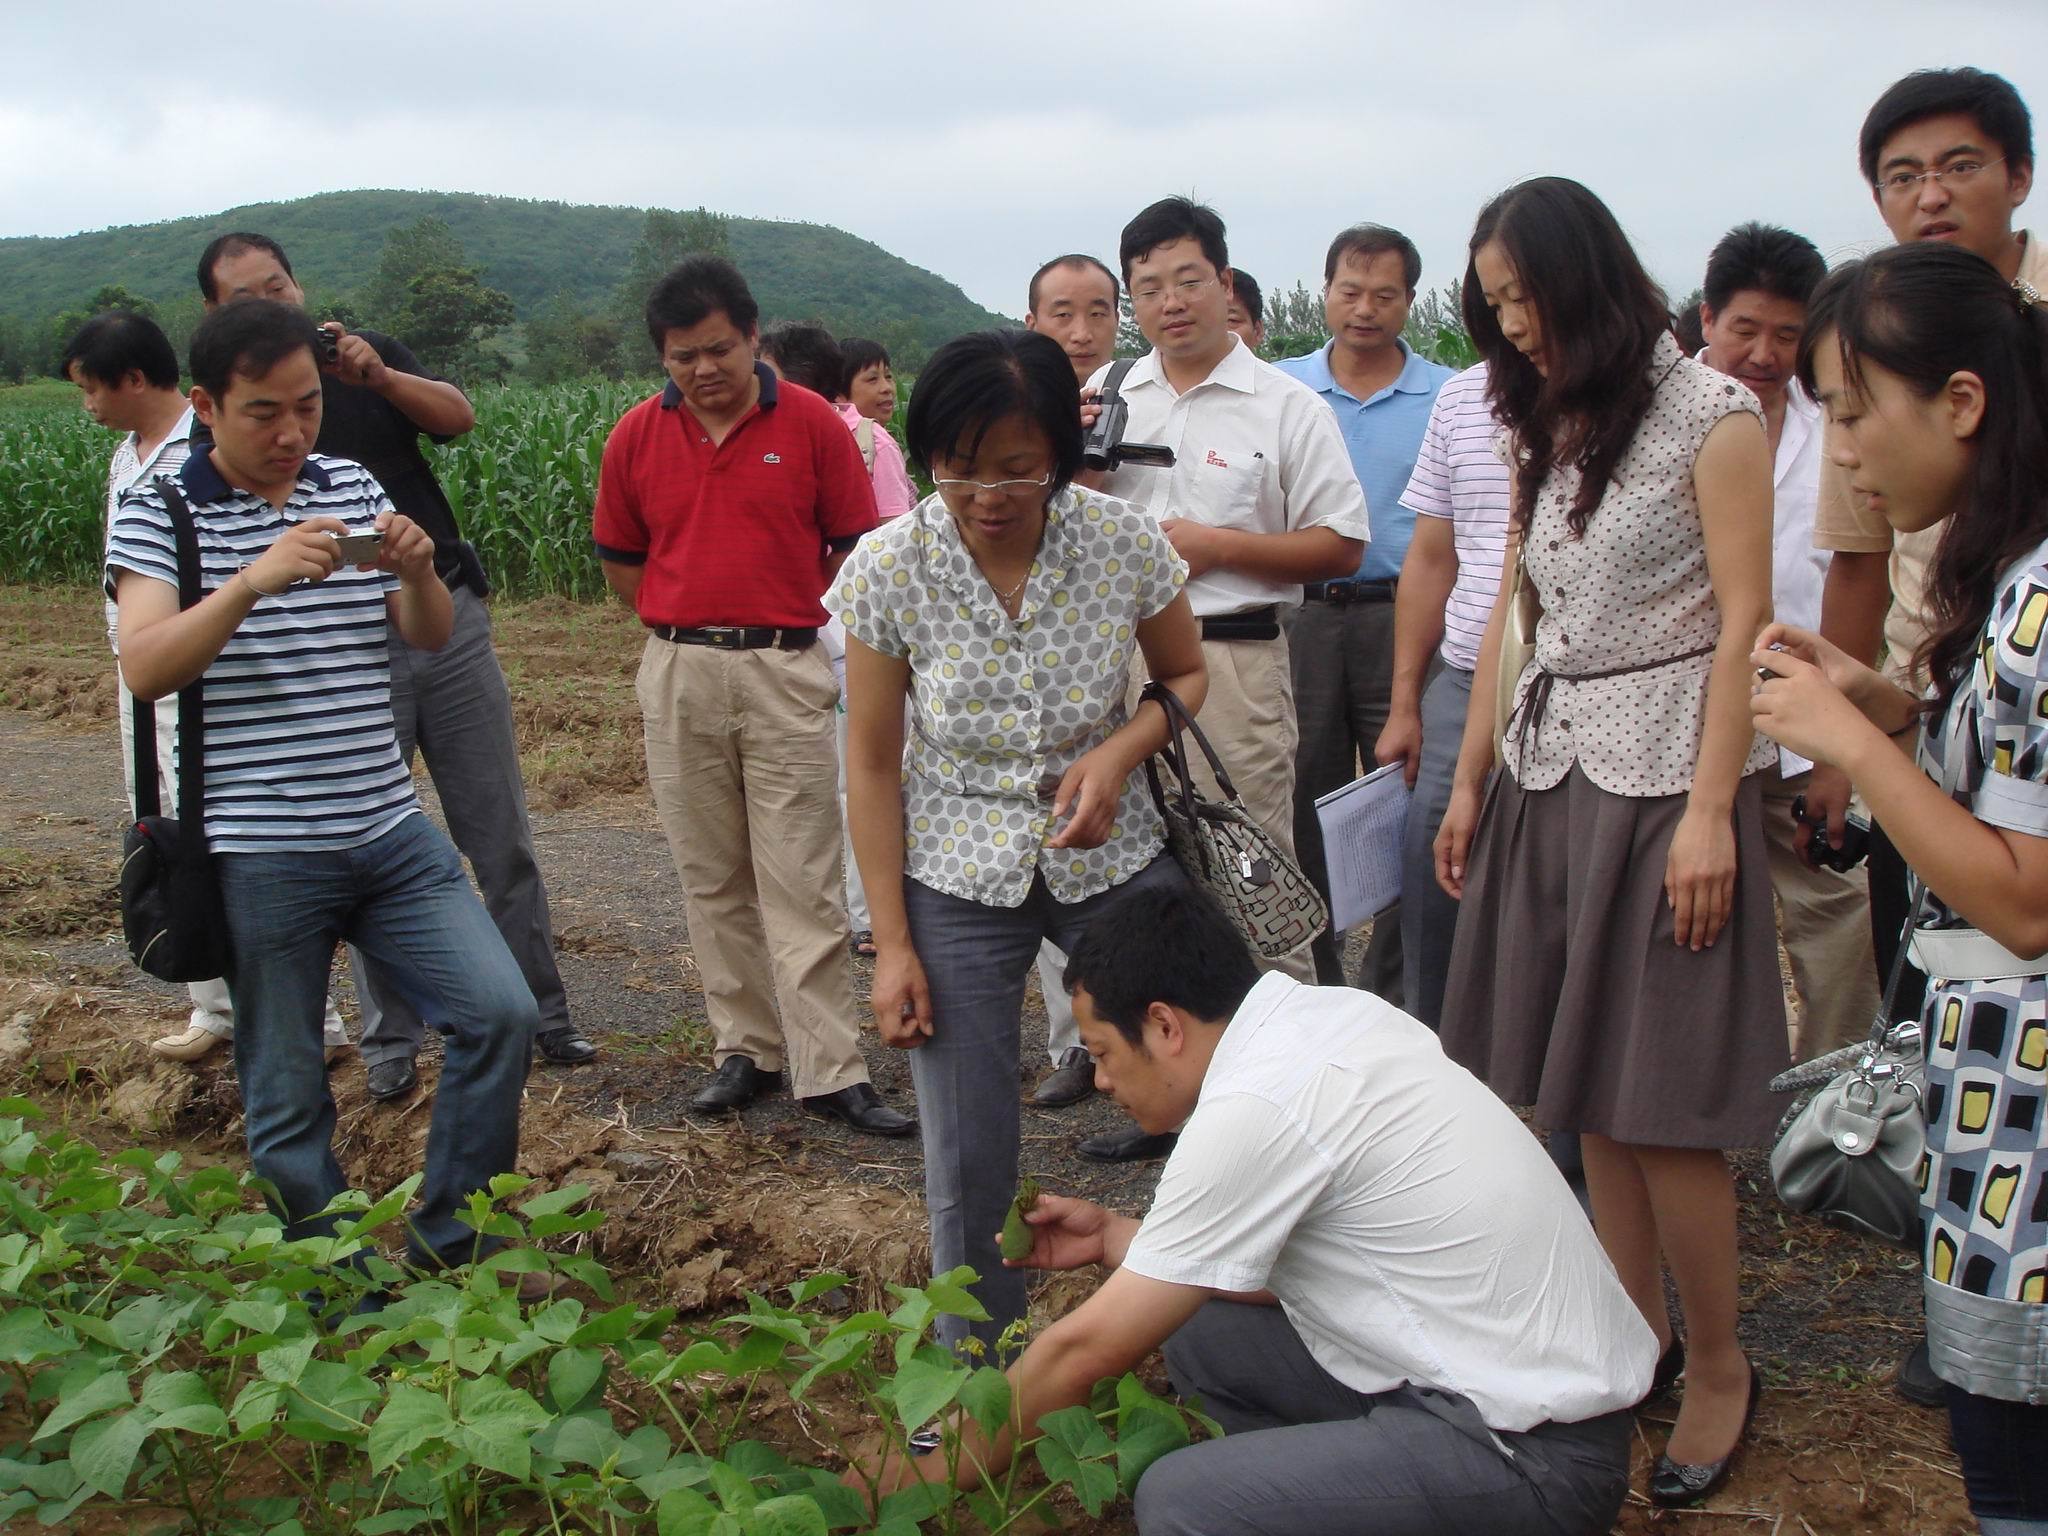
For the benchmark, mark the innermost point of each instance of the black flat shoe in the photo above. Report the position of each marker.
(1670, 1366)
(1677, 1484)
(1916, 1381)
(1068, 1083)
(392, 1078)
(862, 1108)
(565, 1046)
(1128, 1146)
(738, 1081)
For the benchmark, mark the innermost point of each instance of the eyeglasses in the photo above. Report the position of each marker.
(1189, 290)
(1901, 185)
(1000, 487)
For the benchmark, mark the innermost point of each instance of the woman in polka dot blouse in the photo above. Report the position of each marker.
(1007, 608)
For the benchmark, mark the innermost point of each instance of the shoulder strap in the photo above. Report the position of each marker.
(1118, 372)
(864, 435)
(191, 714)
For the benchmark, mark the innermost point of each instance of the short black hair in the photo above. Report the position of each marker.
(974, 381)
(1168, 220)
(1246, 287)
(806, 354)
(857, 355)
(1071, 259)
(1163, 944)
(692, 290)
(1374, 240)
(1987, 99)
(221, 247)
(249, 339)
(118, 342)
(1766, 258)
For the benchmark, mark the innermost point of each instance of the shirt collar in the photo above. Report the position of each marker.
(1413, 379)
(180, 432)
(1237, 369)
(204, 485)
(671, 396)
(950, 564)
(2033, 261)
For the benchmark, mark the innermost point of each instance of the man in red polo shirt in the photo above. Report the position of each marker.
(724, 507)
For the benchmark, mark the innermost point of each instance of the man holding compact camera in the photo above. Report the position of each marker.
(451, 704)
(1260, 496)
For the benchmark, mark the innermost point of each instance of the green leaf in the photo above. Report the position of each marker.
(684, 1512)
(921, 1389)
(949, 1295)
(256, 1404)
(1146, 1432)
(104, 1451)
(734, 1490)
(411, 1418)
(571, 1375)
(554, 1201)
(986, 1397)
(80, 1403)
(556, 1321)
(497, 1424)
(792, 1514)
(1075, 1429)
(287, 1362)
(804, 1292)
(844, 1508)
(27, 1337)
(617, 1325)
(391, 1520)
(915, 1504)
(587, 1439)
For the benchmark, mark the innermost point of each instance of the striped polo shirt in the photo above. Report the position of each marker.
(1459, 476)
(301, 752)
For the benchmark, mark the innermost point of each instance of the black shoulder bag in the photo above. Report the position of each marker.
(171, 910)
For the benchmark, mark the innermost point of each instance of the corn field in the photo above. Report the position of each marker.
(522, 484)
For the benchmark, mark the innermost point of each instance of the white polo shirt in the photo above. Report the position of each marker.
(1411, 1227)
(1254, 450)
(123, 470)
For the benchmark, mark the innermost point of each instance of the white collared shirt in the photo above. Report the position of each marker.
(1254, 449)
(1411, 1228)
(123, 470)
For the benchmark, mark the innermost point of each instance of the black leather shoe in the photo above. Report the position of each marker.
(1670, 1366)
(737, 1081)
(862, 1108)
(392, 1078)
(1068, 1083)
(1916, 1381)
(1677, 1484)
(565, 1046)
(1127, 1146)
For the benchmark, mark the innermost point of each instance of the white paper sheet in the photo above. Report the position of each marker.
(1362, 826)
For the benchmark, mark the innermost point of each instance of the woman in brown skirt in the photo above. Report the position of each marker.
(1616, 956)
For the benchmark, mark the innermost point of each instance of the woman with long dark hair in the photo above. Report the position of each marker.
(1934, 372)
(1615, 964)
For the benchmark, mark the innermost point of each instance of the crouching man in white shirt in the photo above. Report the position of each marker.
(1364, 1266)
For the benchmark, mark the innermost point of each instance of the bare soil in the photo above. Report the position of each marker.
(702, 1213)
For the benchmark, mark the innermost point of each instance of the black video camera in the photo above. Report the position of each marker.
(1104, 447)
(1822, 854)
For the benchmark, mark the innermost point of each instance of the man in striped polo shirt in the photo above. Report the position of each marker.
(309, 810)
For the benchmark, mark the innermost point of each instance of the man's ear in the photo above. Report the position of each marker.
(1171, 1027)
(203, 405)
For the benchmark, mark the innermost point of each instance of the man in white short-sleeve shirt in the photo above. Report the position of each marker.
(1753, 313)
(1359, 1260)
(1261, 496)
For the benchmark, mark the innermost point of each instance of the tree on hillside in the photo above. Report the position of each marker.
(665, 239)
(64, 326)
(425, 292)
(1294, 322)
(567, 339)
(1436, 328)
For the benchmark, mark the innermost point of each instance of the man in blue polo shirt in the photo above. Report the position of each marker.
(1342, 642)
(309, 810)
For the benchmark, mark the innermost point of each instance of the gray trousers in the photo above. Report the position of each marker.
(1429, 917)
(1342, 661)
(453, 706)
(976, 959)
(1305, 1455)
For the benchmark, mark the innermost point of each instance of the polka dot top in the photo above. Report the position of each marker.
(1632, 592)
(1000, 708)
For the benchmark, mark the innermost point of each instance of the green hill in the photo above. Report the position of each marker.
(529, 249)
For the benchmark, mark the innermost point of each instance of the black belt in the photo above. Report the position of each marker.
(1252, 624)
(737, 637)
(1345, 593)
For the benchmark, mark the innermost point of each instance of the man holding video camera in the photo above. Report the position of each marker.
(452, 704)
(1260, 496)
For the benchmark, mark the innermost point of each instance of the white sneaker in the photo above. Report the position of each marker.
(195, 1044)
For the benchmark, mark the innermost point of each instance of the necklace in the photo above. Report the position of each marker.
(1009, 597)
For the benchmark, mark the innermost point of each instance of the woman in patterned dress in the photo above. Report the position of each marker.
(1934, 372)
(1615, 961)
(1007, 607)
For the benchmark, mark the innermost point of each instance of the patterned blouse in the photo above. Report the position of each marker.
(1632, 593)
(1002, 707)
(1985, 1189)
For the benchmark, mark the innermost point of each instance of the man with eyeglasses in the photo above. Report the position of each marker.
(1261, 497)
(1949, 155)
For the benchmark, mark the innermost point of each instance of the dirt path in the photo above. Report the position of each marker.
(708, 1211)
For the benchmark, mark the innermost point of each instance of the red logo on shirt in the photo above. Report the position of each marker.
(1218, 460)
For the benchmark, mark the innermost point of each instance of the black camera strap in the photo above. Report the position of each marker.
(1112, 382)
(191, 741)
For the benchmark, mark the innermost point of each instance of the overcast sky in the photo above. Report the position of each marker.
(977, 140)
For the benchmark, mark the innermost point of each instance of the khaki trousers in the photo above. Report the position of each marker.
(1825, 917)
(1249, 720)
(740, 760)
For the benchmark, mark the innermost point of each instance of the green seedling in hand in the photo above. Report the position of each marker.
(1018, 1237)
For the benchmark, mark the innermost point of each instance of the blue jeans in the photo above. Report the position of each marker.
(1999, 1444)
(404, 901)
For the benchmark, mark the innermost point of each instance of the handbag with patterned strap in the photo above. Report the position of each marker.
(1517, 647)
(1223, 850)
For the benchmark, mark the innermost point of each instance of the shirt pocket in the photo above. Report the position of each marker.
(1225, 485)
